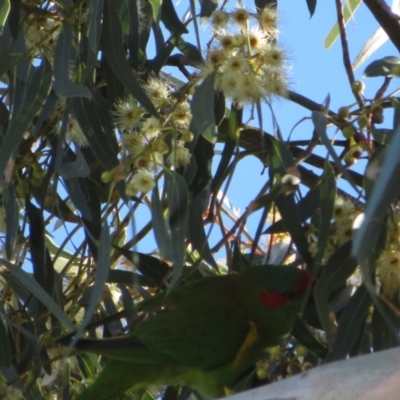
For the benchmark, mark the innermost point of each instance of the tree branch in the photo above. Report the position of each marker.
(386, 18)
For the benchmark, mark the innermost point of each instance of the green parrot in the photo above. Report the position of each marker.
(203, 334)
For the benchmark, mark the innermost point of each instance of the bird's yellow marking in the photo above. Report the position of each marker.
(251, 338)
(228, 391)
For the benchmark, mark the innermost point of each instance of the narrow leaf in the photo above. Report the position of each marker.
(4, 10)
(148, 266)
(93, 21)
(320, 122)
(328, 194)
(350, 323)
(311, 4)
(5, 348)
(75, 169)
(370, 47)
(337, 269)
(5, 57)
(161, 233)
(102, 270)
(170, 18)
(34, 288)
(156, 7)
(188, 49)
(234, 123)
(43, 269)
(333, 34)
(36, 95)
(177, 199)
(386, 66)
(12, 212)
(62, 84)
(93, 119)
(112, 46)
(196, 232)
(207, 7)
(202, 107)
(307, 206)
(306, 338)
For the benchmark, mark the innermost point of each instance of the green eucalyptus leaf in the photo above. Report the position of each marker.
(36, 94)
(351, 322)
(75, 169)
(36, 290)
(4, 11)
(311, 4)
(5, 348)
(170, 18)
(387, 66)
(161, 232)
(5, 57)
(102, 271)
(62, 84)
(76, 189)
(207, 7)
(307, 206)
(307, 339)
(234, 123)
(92, 116)
(328, 195)
(112, 47)
(347, 14)
(189, 50)
(129, 14)
(43, 269)
(12, 212)
(260, 4)
(320, 122)
(93, 22)
(338, 268)
(382, 136)
(202, 107)
(177, 199)
(156, 7)
(148, 266)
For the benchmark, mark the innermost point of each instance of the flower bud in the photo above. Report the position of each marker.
(362, 121)
(107, 176)
(301, 351)
(358, 87)
(262, 373)
(344, 112)
(348, 132)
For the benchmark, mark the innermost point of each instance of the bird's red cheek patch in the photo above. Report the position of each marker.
(273, 300)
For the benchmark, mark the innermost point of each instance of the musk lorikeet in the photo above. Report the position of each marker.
(203, 334)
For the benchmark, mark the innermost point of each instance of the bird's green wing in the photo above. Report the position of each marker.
(124, 348)
(210, 337)
(119, 376)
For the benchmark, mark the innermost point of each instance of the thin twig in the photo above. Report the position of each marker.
(345, 51)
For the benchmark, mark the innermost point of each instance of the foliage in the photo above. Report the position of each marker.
(95, 135)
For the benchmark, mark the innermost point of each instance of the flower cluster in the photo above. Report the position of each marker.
(41, 35)
(344, 214)
(249, 65)
(144, 137)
